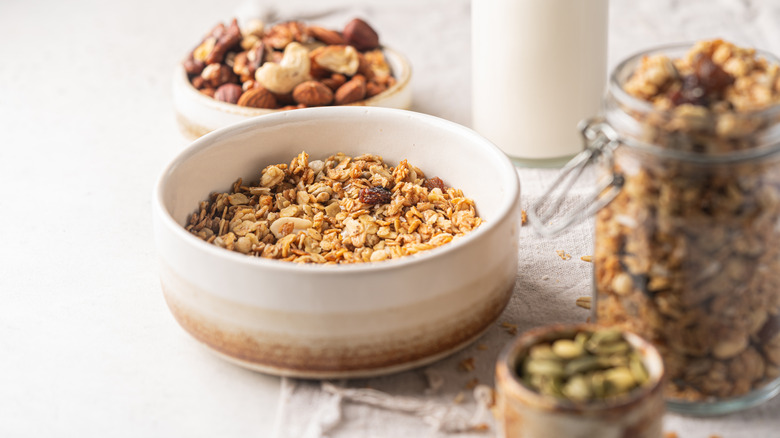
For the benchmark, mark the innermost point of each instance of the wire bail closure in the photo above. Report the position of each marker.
(600, 141)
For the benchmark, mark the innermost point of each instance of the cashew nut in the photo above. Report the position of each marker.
(289, 225)
(293, 69)
(338, 59)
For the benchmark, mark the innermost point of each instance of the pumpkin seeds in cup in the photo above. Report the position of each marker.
(588, 366)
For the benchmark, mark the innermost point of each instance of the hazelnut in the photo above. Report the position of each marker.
(257, 97)
(335, 81)
(359, 34)
(229, 93)
(327, 36)
(352, 91)
(313, 93)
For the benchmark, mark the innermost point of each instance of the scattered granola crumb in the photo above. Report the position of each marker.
(482, 347)
(587, 258)
(471, 384)
(459, 397)
(670, 435)
(546, 277)
(510, 328)
(466, 364)
(523, 217)
(562, 254)
(584, 302)
(435, 380)
(715, 436)
(481, 427)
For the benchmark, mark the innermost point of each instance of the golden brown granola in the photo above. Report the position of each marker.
(688, 254)
(584, 302)
(509, 328)
(337, 210)
(466, 364)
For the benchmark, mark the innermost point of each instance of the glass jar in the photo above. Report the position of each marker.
(687, 245)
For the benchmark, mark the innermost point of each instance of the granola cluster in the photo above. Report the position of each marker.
(688, 254)
(337, 210)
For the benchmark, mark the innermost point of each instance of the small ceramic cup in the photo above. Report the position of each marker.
(524, 413)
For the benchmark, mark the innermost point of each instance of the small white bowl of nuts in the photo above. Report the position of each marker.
(235, 73)
(338, 242)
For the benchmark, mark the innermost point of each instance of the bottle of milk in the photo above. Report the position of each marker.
(538, 68)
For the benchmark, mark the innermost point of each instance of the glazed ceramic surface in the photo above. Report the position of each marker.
(331, 321)
(198, 114)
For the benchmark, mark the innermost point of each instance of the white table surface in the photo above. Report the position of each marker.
(87, 345)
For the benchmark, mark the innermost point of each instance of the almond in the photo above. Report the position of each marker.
(257, 98)
(359, 34)
(229, 93)
(373, 88)
(313, 93)
(327, 36)
(352, 91)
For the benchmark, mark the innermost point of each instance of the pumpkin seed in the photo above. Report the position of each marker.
(567, 349)
(577, 389)
(584, 367)
(542, 351)
(545, 367)
(611, 348)
(604, 337)
(621, 379)
(638, 369)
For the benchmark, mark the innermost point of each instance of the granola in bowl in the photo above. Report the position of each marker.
(353, 319)
(338, 210)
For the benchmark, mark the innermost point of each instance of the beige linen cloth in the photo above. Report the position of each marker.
(440, 400)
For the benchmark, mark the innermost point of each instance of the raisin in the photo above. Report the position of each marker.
(707, 80)
(375, 195)
(711, 77)
(432, 183)
(691, 92)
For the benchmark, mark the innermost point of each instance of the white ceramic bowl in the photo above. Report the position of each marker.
(326, 321)
(198, 114)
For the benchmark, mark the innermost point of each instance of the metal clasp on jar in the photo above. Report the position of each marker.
(600, 141)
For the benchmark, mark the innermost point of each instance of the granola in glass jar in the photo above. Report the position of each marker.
(688, 253)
